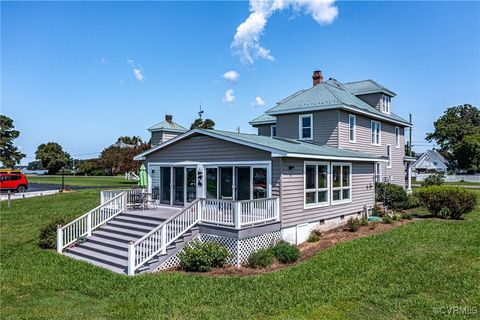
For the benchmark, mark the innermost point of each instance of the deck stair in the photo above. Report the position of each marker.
(108, 246)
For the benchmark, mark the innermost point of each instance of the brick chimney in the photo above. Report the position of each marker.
(168, 118)
(317, 77)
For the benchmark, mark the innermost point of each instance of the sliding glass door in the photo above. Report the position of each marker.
(242, 183)
(191, 184)
(165, 185)
(226, 183)
(178, 185)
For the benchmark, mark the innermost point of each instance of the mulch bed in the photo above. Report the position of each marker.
(307, 250)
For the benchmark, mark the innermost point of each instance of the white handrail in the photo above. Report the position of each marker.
(161, 237)
(84, 225)
(106, 195)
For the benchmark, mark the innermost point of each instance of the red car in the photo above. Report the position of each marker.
(13, 181)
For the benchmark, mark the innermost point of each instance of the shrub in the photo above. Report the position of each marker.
(203, 256)
(407, 216)
(435, 179)
(261, 258)
(353, 224)
(387, 219)
(48, 234)
(313, 237)
(392, 195)
(364, 222)
(285, 252)
(377, 211)
(396, 217)
(447, 201)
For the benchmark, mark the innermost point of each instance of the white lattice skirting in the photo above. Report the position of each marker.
(240, 250)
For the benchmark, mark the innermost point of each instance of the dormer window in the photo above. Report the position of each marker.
(273, 131)
(386, 103)
(305, 125)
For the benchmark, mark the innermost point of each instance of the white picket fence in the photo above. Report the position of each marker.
(451, 177)
(84, 225)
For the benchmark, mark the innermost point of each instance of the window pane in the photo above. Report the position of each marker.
(310, 197)
(322, 196)
(306, 122)
(346, 176)
(306, 133)
(243, 183)
(336, 176)
(212, 183)
(322, 176)
(259, 183)
(310, 177)
(346, 194)
(191, 184)
(336, 195)
(226, 183)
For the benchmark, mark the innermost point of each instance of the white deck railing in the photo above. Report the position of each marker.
(106, 195)
(157, 240)
(227, 213)
(84, 225)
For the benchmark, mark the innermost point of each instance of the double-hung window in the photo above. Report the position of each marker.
(341, 182)
(386, 101)
(397, 137)
(305, 125)
(376, 128)
(352, 124)
(273, 131)
(389, 155)
(378, 172)
(316, 183)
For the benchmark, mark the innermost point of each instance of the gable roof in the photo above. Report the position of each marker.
(428, 155)
(167, 126)
(330, 94)
(366, 87)
(263, 119)
(438, 156)
(279, 147)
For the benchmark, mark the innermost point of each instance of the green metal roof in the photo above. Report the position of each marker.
(291, 146)
(263, 119)
(330, 94)
(167, 126)
(367, 86)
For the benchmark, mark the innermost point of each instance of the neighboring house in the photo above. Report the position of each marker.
(165, 130)
(430, 161)
(313, 164)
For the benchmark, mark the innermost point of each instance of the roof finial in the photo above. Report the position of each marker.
(200, 113)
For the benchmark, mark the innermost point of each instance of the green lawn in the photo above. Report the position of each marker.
(95, 181)
(460, 183)
(401, 274)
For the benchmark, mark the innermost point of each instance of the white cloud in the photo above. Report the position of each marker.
(137, 70)
(258, 102)
(246, 42)
(231, 76)
(229, 97)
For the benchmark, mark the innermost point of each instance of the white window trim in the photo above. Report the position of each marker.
(352, 116)
(379, 132)
(350, 187)
(379, 173)
(300, 131)
(385, 106)
(397, 137)
(305, 190)
(389, 163)
(271, 130)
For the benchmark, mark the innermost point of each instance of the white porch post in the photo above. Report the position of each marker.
(59, 239)
(89, 224)
(237, 214)
(131, 258)
(409, 177)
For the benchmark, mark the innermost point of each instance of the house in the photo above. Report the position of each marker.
(313, 164)
(165, 130)
(430, 161)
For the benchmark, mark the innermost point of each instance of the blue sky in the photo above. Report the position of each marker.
(84, 73)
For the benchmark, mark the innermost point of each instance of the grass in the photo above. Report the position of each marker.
(404, 273)
(92, 181)
(459, 183)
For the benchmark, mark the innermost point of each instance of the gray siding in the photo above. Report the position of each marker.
(292, 201)
(372, 99)
(208, 149)
(161, 136)
(264, 130)
(364, 143)
(324, 126)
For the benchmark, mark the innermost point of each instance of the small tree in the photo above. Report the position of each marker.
(9, 154)
(52, 156)
(435, 179)
(203, 124)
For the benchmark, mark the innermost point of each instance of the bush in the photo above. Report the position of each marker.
(353, 224)
(435, 179)
(396, 198)
(447, 201)
(387, 219)
(203, 256)
(48, 234)
(261, 258)
(285, 252)
(377, 211)
(407, 216)
(364, 222)
(313, 237)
